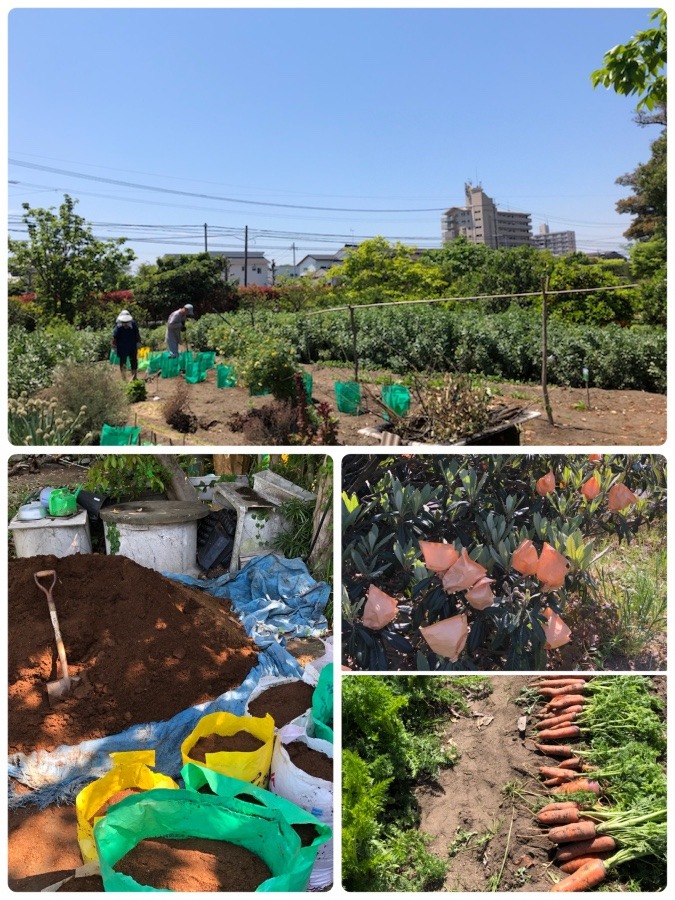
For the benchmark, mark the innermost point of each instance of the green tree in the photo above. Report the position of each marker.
(637, 68)
(648, 202)
(578, 271)
(63, 263)
(197, 278)
(376, 271)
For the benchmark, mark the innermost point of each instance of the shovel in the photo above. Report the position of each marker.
(61, 687)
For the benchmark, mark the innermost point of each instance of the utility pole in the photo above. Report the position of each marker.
(206, 238)
(294, 269)
(245, 255)
(274, 270)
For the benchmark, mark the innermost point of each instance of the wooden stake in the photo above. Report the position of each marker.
(544, 350)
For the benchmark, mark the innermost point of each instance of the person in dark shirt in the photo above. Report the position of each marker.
(126, 340)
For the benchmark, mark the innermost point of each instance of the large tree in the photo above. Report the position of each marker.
(63, 263)
(196, 278)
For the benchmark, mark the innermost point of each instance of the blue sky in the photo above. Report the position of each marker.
(344, 109)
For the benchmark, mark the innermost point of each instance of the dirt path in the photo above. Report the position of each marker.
(469, 798)
(615, 417)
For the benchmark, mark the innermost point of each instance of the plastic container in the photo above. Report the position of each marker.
(63, 502)
(206, 360)
(31, 511)
(308, 381)
(44, 496)
(92, 502)
(170, 368)
(397, 398)
(194, 374)
(348, 396)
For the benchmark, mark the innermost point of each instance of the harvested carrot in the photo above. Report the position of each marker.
(566, 700)
(558, 816)
(561, 751)
(554, 782)
(574, 831)
(560, 804)
(557, 772)
(565, 733)
(556, 682)
(576, 687)
(588, 876)
(579, 861)
(552, 713)
(559, 719)
(579, 784)
(572, 763)
(601, 844)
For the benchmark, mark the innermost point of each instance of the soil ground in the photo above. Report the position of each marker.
(506, 844)
(632, 418)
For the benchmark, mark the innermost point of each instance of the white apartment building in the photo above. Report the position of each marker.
(482, 223)
(558, 242)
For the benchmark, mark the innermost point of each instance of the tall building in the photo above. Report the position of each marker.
(482, 223)
(558, 242)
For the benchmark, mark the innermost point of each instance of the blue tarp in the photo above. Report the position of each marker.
(274, 596)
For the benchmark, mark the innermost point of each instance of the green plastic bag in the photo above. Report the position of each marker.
(249, 797)
(206, 360)
(185, 814)
(322, 705)
(397, 398)
(225, 376)
(348, 396)
(308, 382)
(194, 374)
(170, 368)
(120, 436)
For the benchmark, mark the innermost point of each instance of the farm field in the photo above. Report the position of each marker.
(467, 784)
(628, 417)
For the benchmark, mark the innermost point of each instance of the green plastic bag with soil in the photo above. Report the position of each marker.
(186, 814)
(206, 360)
(248, 798)
(170, 368)
(120, 435)
(348, 396)
(397, 398)
(322, 705)
(225, 376)
(194, 374)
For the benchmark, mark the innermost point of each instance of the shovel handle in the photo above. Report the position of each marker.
(55, 622)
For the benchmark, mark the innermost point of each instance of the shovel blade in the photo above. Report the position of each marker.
(59, 690)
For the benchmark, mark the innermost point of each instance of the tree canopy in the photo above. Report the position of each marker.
(637, 68)
(63, 263)
(184, 278)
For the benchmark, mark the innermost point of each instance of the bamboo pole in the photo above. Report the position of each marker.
(544, 349)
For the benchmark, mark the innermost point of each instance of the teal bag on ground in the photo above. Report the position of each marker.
(206, 360)
(348, 396)
(249, 798)
(194, 374)
(308, 382)
(170, 368)
(186, 357)
(154, 365)
(322, 705)
(120, 435)
(397, 398)
(179, 814)
(225, 376)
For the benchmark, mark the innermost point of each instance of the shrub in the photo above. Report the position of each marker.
(126, 476)
(136, 391)
(268, 364)
(96, 388)
(177, 412)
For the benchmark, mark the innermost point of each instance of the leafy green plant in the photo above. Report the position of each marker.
(113, 534)
(294, 541)
(136, 391)
(268, 364)
(127, 476)
(34, 422)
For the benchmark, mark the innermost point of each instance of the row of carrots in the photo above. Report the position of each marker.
(586, 838)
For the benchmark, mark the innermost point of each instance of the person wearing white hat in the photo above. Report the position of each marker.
(175, 325)
(126, 340)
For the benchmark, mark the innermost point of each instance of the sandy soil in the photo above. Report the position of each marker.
(633, 418)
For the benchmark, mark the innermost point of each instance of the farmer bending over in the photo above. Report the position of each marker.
(175, 324)
(126, 340)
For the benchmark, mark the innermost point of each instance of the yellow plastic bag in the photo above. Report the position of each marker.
(252, 766)
(130, 770)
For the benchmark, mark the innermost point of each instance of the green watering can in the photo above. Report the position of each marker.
(63, 502)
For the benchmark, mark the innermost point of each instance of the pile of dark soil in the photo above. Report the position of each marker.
(241, 742)
(143, 645)
(194, 864)
(283, 702)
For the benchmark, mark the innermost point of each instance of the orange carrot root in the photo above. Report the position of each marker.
(579, 784)
(556, 772)
(588, 876)
(580, 861)
(575, 688)
(566, 700)
(603, 843)
(553, 721)
(572, 763)
(565, 733)
(558, 817)
(572, 832)
(560, 804)
(554, 750)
